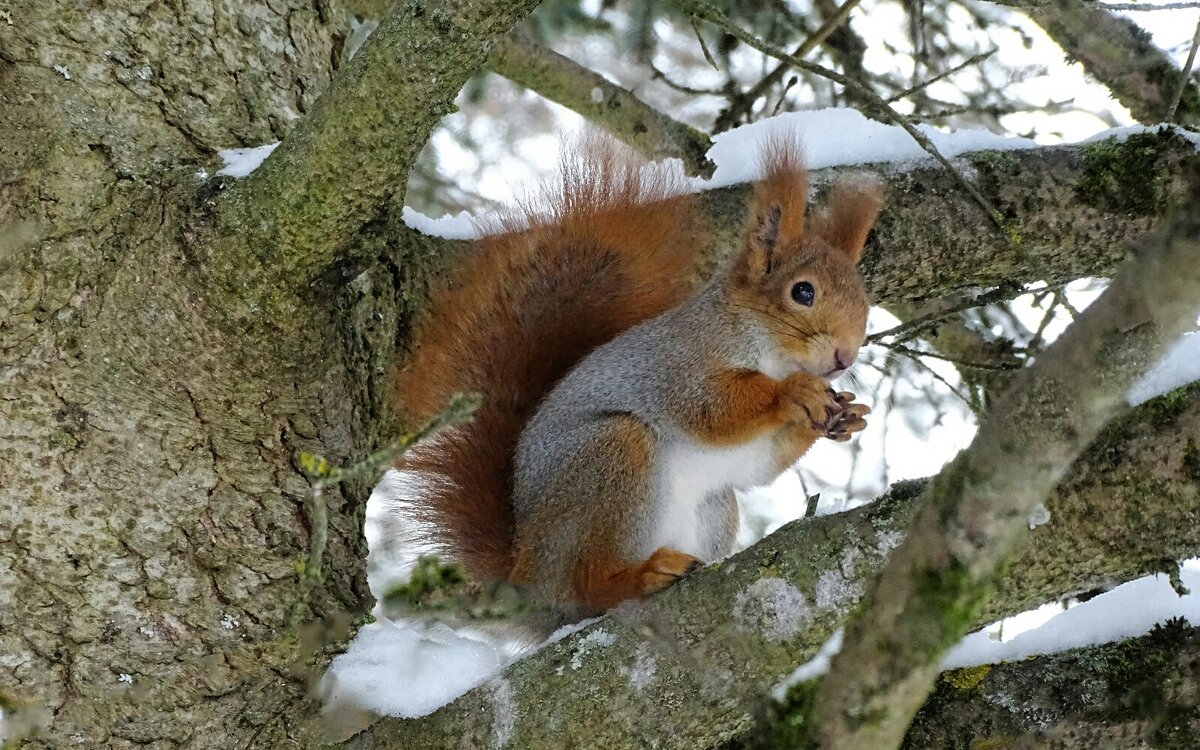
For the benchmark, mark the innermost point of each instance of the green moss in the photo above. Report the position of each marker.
(967, 677)
(792, 725)
(444, 589)
(994, 161)
(948, 604)
(429, 578)
(1126, 177)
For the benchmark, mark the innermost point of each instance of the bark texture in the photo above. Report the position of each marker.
(1144, 692)
(690, 668)
(976, 510)
(170, 342)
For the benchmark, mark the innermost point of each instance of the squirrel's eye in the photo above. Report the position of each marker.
(803, 293)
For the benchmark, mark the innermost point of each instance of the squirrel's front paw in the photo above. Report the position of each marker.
(848, 420)
(811, 401)
(664, 567)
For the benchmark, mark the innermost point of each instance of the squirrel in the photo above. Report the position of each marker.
(622, 405)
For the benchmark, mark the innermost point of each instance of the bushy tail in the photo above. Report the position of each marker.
(616, 244)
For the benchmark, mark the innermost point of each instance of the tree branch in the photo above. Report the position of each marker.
(560, 79)
(1119, 54)
(1072, 209)
(268, 236)
(693, 664)
(975, 512)
(1141, 692)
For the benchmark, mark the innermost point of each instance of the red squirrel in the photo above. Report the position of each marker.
(622, 406)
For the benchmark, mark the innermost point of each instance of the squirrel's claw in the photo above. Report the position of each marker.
(848, 420)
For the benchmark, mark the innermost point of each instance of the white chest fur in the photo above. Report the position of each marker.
(691, 473)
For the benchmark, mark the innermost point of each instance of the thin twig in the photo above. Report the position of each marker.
(958, 361)
(704, 11)
(744, 102)
(973, 60)
(459, 409)
(659, 75)
(1187, 74)
(560, 79)
(915, 325)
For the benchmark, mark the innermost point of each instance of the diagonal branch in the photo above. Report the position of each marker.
(560, 79)
(347, 162)
(975, 512)
(1119, 54)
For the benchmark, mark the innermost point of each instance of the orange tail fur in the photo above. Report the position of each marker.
(618, 244)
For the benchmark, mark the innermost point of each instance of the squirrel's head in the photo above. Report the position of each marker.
(800, 279)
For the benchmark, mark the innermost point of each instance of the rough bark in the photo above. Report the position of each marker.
(689, 668)
(975, 512)
(152, 397)
(1143, 692)
(1072, 211)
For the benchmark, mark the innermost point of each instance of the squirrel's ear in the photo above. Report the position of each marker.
(775, 222)
(849, 214)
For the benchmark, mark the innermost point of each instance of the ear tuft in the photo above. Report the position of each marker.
(775, 221)
(849, 214)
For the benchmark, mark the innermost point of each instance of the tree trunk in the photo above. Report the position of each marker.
(152, 511)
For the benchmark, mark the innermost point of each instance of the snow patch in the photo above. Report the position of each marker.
(409, 669)
(240, 162)
(811, 669)
(773, 607)
(1038, 515)
(1122, 134)
(460, 226)
(62, 71)
(571, 629)
(1178, 367)
(839, 136)
(1127, 611)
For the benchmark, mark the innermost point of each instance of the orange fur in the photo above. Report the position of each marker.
(600, 583)
(615, 246)
(848, 215)
(739, 405)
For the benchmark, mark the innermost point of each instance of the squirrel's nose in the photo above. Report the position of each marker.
(842, 360)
